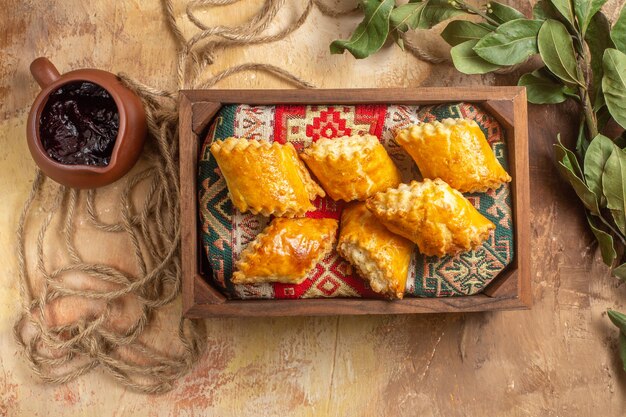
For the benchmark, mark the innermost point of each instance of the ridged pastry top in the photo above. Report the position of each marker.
(286, 251)
(433, 215)
(265, 177)
(456, 151)
(343, 147)
(351, 167)
(380, 256)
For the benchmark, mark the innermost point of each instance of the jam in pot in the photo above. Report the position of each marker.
(79, 124)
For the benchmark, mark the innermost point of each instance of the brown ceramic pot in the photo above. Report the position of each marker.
(130, 137)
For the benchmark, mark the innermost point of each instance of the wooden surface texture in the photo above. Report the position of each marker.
(510, 290)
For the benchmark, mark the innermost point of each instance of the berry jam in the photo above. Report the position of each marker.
(79, 124)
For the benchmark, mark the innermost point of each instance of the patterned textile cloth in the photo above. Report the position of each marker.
(226, 232)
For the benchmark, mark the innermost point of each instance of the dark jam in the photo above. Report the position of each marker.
(79, 124)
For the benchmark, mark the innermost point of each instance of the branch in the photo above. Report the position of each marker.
(473, 10)
(584, 68)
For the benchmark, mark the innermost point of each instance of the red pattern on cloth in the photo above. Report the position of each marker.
(302, 125)
(226, 232)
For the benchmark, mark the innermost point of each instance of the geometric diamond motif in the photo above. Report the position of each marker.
(225, 232)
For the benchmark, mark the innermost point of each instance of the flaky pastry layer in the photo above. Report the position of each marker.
(456, 151)
(433, 215)
(380, 257)
(286, 251)
(351, 167)
(265, 178)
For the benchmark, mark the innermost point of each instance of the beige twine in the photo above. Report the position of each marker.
(62, 353)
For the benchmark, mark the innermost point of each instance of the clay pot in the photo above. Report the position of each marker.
(130, 137)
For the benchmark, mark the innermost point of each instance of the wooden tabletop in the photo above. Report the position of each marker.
(560, 358)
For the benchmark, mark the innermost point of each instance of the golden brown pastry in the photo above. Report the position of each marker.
(380, 257)
(285, 251)
(432, 214)
(351, 167)
(456, 151)
(265, 177)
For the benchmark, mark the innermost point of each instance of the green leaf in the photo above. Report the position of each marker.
(370, 35)
(620, 272)
(570, 170)
(407, 16)
(511, 43)
(614, 84)
(582, 191)
(567, 157)
(618, 319)
(565, 8)
(605, 241)
(603, 116)
(539, 12)
(421, 15)
(598, 39)
(598, 153)
(436, 11)
(557, 51)
(502, 13)
(614, 186)
(581, 141)
(599, 102)
(585, 10)
(459, 31)
(488, 26)
(395, 35)
(544, 10)
(542, 89)
(618, 33)
(468, 62)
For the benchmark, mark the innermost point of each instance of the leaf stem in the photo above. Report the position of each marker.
(474, 10)
(610, 226)
(590, 116)
(581, 44)
(591, 121)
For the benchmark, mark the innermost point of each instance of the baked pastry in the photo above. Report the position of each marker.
(351, 167)
(285, 251)
(265, 177)
(456, 151)
(432, 214)
(379, 256)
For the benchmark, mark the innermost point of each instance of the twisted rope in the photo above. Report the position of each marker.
(61, 353)
(58, 354)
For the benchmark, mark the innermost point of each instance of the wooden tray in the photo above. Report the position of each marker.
(510, 290)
